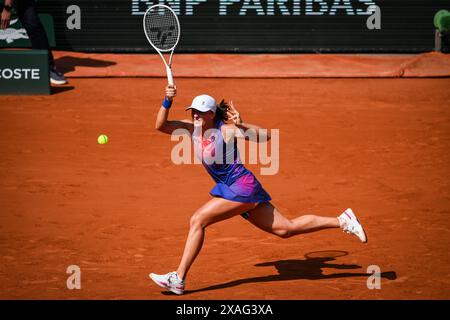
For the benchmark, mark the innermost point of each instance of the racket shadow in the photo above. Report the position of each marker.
(309, 268)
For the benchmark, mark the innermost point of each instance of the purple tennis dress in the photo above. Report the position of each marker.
(222, 161)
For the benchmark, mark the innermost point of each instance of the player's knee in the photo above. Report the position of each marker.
(197, 221)
(283, 232)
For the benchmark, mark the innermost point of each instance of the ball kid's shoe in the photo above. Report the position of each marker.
(56, 77)
(169, 281)
(350, 224)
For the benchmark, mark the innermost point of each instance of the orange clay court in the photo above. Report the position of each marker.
(377, 144)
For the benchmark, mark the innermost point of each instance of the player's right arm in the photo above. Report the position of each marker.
(168, 126)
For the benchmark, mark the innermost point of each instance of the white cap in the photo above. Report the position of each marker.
(203, 103)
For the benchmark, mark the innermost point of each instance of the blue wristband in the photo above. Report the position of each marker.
(167, 103)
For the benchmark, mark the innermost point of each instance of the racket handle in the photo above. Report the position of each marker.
(169, 75)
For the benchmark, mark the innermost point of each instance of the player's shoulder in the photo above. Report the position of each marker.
(226, 126)
(228, 131)
(187, 124)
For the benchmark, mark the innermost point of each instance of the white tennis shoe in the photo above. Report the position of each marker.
(350, 224)
(169, 281)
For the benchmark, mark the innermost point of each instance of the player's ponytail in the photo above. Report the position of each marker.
(221, 111)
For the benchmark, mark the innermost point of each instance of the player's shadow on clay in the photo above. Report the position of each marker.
(309, 268)
(67, 63)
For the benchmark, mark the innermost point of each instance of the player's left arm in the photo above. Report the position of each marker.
(247, 130)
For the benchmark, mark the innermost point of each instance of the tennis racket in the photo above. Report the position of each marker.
(162, 29)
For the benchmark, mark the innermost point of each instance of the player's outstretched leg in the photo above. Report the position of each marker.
(266, 217)
(215, 210)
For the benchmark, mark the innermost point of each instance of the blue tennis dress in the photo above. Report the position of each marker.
(222, 161)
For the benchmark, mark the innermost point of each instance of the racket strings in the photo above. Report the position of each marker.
(162, 29)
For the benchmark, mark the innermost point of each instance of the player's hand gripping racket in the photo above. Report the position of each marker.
(162, 29)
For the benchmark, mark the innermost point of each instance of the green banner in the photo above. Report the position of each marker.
(251, 25)
(24, 72)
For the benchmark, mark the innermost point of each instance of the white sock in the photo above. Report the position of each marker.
(178, 277)
(341, 222)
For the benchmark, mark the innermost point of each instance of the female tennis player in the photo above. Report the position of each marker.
(237, 191)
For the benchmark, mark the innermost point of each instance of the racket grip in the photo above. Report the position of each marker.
(169, 75)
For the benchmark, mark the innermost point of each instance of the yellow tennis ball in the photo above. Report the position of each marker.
(102, 139)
